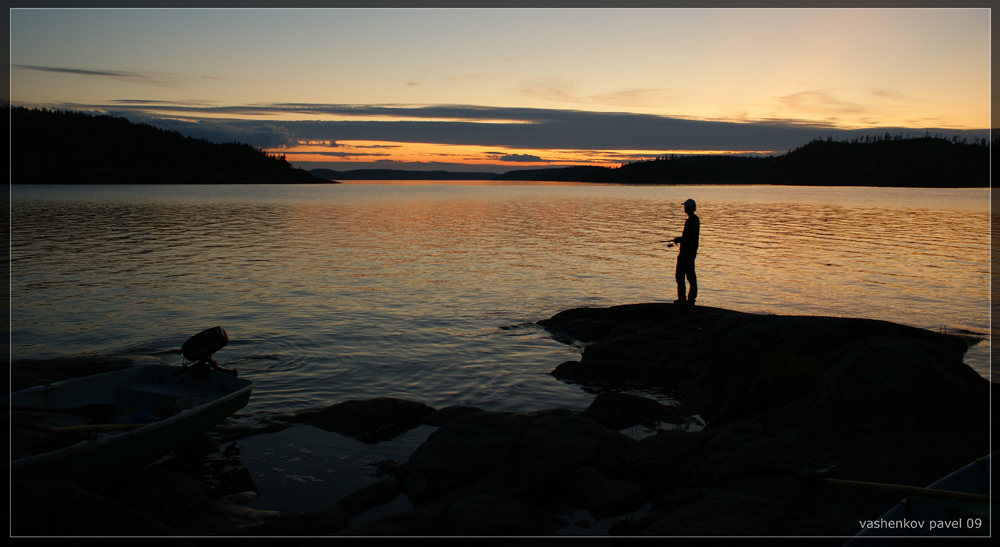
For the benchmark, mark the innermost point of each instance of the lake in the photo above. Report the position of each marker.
(429, 291)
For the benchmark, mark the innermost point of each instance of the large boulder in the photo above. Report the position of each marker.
(512, 455)
(371, 496)
(371, 420)
(621, 410)
(786, 399)
(63, 509)
(462, 450)
(479, 515)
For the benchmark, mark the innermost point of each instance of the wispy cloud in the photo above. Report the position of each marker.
(520, 158)
(568, 91)
(820, 102)
(894, 95)
(637, 97)
(550, 89)
(145, 78)
(529, 128)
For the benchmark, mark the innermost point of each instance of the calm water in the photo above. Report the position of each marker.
(427, 291)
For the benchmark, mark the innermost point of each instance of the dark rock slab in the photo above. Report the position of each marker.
(322, 522)
(605, 497)
(497, 516)
(621, 410)
(63, 509)
(525, 456)
(462, 450)
(474, 516)
(716, 358)
(430, 521)
(442, 416)
(371, 496)
(371, 420)
(785, 397)
(553, 447)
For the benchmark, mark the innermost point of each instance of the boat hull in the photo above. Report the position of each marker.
(186, 406)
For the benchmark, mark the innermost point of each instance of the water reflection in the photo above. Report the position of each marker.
(335, 292)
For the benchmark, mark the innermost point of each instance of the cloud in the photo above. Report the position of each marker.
(146, 78)
(378, 146)
(520, 157)
(268, 135)
(894, 95)
(550, 89)
(820, 102)
(636, 97)
(347, 154)
(567, 91)
(529, 128)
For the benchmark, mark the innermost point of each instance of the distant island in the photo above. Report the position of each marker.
(62, 147)
(894, 161)
(882, 160)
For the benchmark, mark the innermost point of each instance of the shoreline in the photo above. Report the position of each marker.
(785, 399)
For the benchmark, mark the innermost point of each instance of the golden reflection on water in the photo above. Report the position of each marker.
(372, 290)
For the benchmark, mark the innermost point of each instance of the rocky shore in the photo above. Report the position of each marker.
(785, 402)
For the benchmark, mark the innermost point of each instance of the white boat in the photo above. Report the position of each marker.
(159, 408)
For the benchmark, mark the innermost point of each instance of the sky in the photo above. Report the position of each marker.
(502, 89)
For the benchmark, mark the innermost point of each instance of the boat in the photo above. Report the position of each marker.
(88, 430)
(957, 505)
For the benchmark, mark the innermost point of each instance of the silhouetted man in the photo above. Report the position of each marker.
(685, 259)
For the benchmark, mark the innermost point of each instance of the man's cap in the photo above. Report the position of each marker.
(690, 203)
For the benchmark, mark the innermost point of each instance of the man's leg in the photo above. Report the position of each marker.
(679, 275)
(694, 282)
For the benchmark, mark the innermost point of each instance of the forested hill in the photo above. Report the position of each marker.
(62, 147)
(927, 162)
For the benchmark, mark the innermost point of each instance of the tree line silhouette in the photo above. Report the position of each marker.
(872, 160)
(66, 147)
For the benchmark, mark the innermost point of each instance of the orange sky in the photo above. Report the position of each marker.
(832, 69)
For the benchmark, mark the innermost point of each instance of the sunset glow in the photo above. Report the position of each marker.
(539, 87)
(342, 154)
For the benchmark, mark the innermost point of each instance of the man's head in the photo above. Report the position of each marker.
(689, 206)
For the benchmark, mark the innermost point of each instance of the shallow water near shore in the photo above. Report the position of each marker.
(429, 292)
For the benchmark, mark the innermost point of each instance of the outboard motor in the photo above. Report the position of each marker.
(202, 345)
(199, 349)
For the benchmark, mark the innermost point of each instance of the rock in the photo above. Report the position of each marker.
(860, 399)
(228, 431)
(430, 521)
(462, 450)
(480, 515)
(553, 447)
(496, 516)
(512, 455)
(727, 512)
(228, 515)
(604, 497)
(371, 496)
(447, 414)
(621, 410)
(310, 523)
(154, 489)
(63, 509)
(373, 419)
(202, 444)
